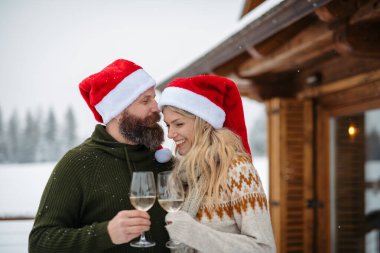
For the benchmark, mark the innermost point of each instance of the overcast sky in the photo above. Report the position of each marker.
(48, 46)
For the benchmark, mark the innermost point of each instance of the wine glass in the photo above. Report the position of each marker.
(170, 195)
(142, 196)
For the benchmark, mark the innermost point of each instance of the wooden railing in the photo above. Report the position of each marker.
(16, 218)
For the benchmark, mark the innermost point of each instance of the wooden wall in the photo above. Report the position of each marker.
(291, 185)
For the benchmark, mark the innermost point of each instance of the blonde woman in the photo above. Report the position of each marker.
(226, 208)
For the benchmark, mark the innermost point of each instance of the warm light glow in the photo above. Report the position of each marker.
(352, 130)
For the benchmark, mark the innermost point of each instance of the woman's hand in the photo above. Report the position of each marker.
(178, 221)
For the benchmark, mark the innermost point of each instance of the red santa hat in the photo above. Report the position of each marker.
(214, 99)
(114, 88)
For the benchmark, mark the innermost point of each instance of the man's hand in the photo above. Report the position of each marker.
(127, 225)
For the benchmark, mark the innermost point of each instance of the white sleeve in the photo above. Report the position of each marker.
(205, 239)
(250, 212)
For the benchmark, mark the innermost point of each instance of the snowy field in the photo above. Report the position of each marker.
(14, 236)
(21, 187)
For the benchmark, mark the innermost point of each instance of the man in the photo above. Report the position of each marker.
(85, 205)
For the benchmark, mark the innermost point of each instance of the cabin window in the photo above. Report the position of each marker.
(355, 181)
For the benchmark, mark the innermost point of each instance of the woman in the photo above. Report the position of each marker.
(226, 208)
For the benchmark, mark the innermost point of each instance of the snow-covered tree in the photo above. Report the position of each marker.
(39, 139)
(30, 139)
(50, 137)
(70, 129)
(13, 138)
(3, 144)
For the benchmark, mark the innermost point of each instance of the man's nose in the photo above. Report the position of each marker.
(155, 107)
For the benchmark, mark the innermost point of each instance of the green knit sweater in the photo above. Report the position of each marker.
(86, 189)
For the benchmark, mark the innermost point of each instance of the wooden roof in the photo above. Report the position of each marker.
(296, 46)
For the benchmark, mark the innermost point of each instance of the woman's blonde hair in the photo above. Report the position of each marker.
(212, 153)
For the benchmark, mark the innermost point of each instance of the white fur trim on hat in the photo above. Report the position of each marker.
(124, 94)
(193, 103)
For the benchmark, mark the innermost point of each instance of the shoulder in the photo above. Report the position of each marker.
(77, 160)
(245, 186)
(240, 167)
(242, 177)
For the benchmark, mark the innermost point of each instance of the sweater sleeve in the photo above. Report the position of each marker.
(57, 225)
(250, 213)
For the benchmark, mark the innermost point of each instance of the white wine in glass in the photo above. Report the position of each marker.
(142, 195)
(170, 205)
(171, 196)
(142, 203)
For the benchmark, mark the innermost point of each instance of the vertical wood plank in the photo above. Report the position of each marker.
(290, 127)
(323, 235)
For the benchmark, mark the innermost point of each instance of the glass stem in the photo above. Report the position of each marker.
(142, 237)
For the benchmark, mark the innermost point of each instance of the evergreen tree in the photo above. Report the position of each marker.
(30, 139)
(3, 145)
(13, 138)
(39, 152)
(70, 129)
(51, 137)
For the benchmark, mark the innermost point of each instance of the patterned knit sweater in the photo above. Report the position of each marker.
(239, 222)
(86, 189)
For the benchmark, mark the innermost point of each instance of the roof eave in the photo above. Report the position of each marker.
(284, 14)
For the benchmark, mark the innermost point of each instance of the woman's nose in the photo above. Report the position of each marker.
(171, 133)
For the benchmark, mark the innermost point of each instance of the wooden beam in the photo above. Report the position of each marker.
(336, 68)
(271, 85)
(240, 82)
(360, 107)
(322, 174)
(359, 39)
(245, 86)
(254, 53)
(353, 95)
(338, 10)
(231, 65)
(250, 5)
(276, 41)
(307, 45)
(370, 10)
(340, 85)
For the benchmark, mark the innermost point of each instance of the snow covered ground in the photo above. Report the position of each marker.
(21, 187)
(14, 236)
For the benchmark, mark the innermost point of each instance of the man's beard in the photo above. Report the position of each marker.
(145, 131)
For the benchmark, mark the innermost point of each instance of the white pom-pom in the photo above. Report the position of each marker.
(163, 155)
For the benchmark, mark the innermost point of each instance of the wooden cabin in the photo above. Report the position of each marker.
(316, 66)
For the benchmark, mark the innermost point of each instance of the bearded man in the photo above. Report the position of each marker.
(85, 205)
